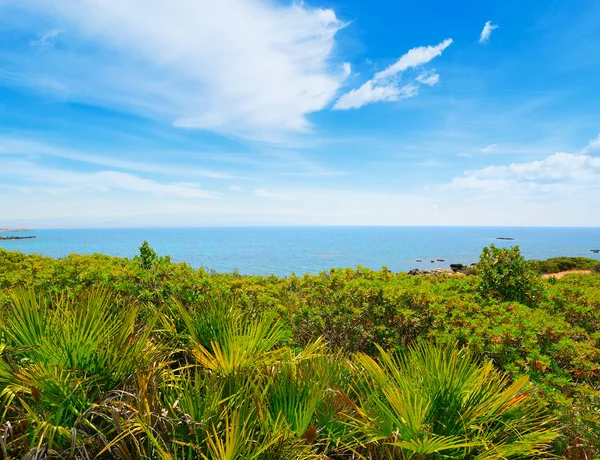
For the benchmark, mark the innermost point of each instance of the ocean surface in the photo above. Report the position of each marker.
(286, 250)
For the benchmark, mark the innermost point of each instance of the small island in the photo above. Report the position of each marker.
(504, 238)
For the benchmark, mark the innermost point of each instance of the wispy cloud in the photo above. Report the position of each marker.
(16, 146)
(54, 180)
(429, 78)
(593, 146)
(47, 39)
(371, 92)
(486, 33)
(489, 148)
(413, 58)
(384, 86)
(244, 68)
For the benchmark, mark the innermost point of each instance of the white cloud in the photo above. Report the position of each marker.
(429, 78)
(592, 146)
(62, 181)
(47, 39)
(415, 57)
(486, 33)
(23, 147)
(347, 67)
(490, 148)
(244, 67)
(369, 93)
(555, 173)
(384, 86)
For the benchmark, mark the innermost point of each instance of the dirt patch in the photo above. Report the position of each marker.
(568, 272)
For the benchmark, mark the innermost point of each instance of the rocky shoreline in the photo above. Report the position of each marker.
(454, 269)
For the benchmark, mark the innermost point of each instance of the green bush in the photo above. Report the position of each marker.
(562, 264)
(507, 277)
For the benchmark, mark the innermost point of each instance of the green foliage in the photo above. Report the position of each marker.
(435, 402)
(302, 331)
(148, 257)
(596, 269)
(61, 356)
(506, 276)
(110, 390)
(562, 264)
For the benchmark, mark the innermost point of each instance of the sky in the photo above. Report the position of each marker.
(264, 112)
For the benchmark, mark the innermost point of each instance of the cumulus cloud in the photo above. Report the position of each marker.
(250, 68)
(384, 86)
(486, 33)
(554, 173)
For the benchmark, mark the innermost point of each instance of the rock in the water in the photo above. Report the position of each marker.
(595, 251)
(504, 238)
(457, 267)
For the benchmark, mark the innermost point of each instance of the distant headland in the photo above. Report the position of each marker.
(2, 238)
(14, 230)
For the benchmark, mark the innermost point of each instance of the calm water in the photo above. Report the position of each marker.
(283, 250)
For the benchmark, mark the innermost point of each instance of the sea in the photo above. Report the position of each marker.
(285, 250)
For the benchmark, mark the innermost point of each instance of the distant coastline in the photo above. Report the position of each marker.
(15, 230)
(4, 238)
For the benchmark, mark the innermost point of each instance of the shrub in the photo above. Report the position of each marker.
(506, 276)
(147, 257)
(562, 264)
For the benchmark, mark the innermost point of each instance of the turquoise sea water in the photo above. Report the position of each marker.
(283, 250)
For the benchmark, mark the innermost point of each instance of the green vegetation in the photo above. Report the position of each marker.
(114, 358)
(562, 264)
(506, 276)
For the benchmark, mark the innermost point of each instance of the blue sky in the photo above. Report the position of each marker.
(256, 112)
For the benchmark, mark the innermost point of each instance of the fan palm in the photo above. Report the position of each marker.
(61, 356)
(435, 402)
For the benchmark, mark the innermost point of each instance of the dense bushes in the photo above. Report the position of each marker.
(552, 335)
(82, 377)
(506, 276)
(561, 264)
